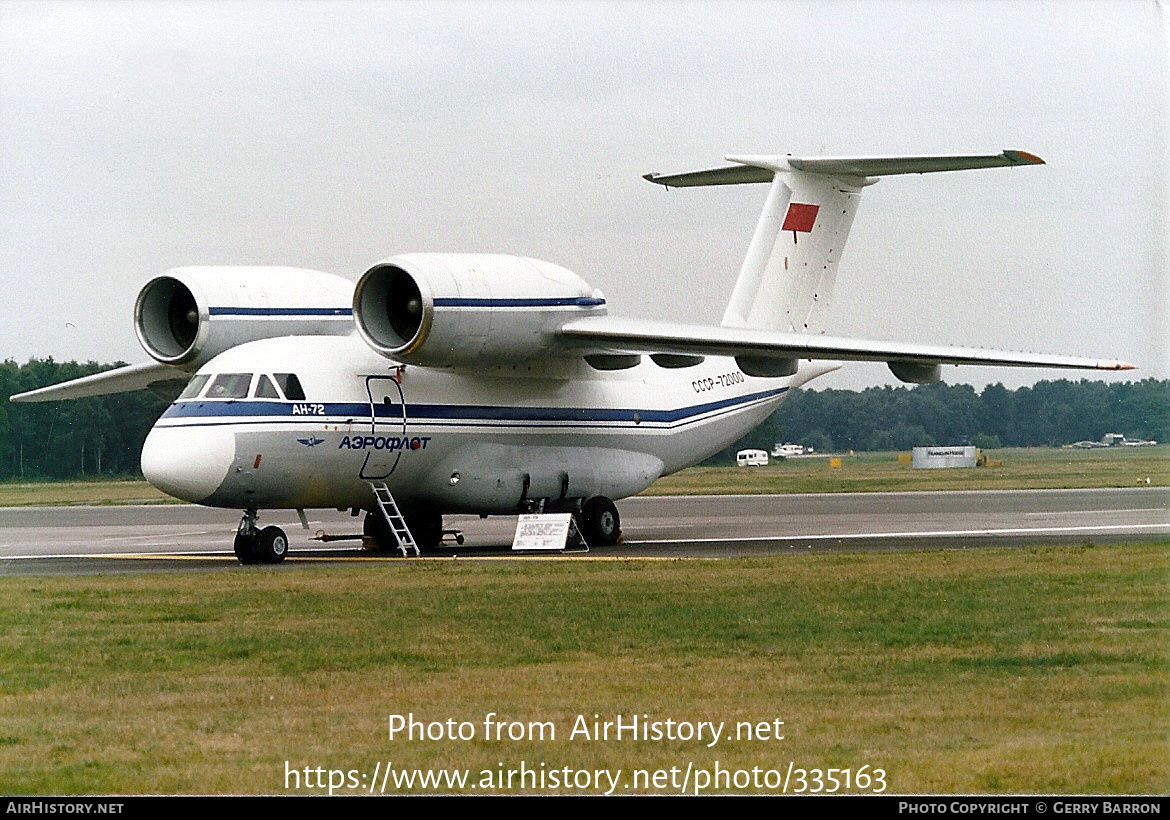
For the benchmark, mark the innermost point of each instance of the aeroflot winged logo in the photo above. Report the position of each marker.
(311, 442)
(800, 217)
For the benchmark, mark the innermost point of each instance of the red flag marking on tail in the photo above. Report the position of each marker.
(800, 217)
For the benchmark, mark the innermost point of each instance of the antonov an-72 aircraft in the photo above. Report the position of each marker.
(468, 383)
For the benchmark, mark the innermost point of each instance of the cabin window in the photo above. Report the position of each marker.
(230, 386)
(265, 389)
(291, 386)
(194, 387)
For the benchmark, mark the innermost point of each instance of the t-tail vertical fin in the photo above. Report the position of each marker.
(787, 277)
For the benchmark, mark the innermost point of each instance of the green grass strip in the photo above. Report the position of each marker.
(1025, 670)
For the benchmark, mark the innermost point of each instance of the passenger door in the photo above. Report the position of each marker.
(387, 427)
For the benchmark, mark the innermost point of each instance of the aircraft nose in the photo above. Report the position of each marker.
(188, 463)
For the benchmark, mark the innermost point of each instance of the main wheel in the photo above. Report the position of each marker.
(600, 523)
(376, 527)
(272, 546)
(426, 525)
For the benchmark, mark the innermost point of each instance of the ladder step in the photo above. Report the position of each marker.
(393, 516)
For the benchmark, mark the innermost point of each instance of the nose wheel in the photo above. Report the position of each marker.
(259, 546)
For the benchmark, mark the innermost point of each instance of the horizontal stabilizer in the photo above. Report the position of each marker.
(121, 380)
(763, 168)
(615, 335)
(888, 166)
(731, 175)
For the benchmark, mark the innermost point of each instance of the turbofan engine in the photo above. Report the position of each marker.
(455, 310)
(185, 316)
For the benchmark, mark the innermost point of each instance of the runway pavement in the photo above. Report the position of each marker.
(166, 537)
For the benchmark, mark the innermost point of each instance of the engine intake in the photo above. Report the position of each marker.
(454, 310)
(185, 316)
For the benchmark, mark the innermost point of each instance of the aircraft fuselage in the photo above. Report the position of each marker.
(483, 441)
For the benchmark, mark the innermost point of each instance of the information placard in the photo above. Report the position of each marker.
(542, 531)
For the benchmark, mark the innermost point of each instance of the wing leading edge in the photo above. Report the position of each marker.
(121, 380)
(617, 335)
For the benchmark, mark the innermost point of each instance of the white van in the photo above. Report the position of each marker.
(787, 450)
(751, 458)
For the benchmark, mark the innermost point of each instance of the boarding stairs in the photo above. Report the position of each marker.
(393, 516)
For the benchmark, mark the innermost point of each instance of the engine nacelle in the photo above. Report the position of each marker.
(185, 316)
(458, 310)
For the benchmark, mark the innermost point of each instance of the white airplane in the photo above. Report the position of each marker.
(467, 383)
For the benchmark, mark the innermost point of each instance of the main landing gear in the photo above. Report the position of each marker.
(259, 546)
(424, 523)
(598, 519)
(600, 524)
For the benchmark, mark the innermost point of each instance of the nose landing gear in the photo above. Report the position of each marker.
(259, 546)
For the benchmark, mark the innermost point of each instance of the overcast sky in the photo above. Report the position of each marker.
(135, 137)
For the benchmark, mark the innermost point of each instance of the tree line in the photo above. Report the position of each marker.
(97, 436)
(103, 435)
(1048, 414)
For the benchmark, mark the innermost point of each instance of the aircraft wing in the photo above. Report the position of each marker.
(617, 335)
(120, 380)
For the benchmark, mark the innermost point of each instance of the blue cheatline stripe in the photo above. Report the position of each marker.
(582, 301)
(242, 409)
(570, 301)
(290, 311)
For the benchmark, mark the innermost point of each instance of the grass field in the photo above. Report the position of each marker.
(1032, 468)
(1027, 670)
(64, 493)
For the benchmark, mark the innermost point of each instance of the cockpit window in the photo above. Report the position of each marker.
(291, 386)
(265, 389)
(230, 386)
(194, 387)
